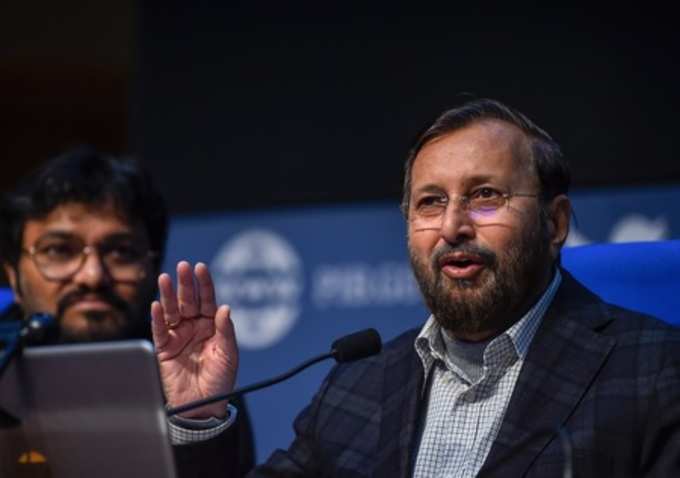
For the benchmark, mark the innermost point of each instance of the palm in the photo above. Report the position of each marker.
(194, 340)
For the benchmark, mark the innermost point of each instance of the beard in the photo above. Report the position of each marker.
(122, 321)
(492, 300)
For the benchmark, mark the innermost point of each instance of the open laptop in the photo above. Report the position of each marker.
(86, 410)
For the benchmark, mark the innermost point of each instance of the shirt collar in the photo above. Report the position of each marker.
(430, 347)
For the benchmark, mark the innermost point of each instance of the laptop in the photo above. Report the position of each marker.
(86, 410)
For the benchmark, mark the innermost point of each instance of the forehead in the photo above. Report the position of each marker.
(86, 221)
(487, 150)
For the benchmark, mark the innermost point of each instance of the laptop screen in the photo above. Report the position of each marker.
(91, 409)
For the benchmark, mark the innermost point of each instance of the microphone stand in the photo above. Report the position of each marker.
(346, 349)
(256, 386)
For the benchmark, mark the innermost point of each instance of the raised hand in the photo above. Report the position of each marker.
(194, 339)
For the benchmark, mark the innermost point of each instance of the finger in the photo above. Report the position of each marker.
(168, 300)
(206, 291)
(186, 291)
(159, 331)
(225, 329)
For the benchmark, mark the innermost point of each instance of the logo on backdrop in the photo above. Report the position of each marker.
(260, 276)
(629, 228)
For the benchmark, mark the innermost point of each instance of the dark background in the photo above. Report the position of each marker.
(292, 103)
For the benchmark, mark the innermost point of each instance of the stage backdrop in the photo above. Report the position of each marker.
(297, 279)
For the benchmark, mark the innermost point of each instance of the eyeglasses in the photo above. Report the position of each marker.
(59, 258)
(482, 205)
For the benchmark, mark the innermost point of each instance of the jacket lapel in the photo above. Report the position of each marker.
(401, 403)
(565, 356)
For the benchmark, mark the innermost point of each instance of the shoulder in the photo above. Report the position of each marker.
(397, 356)
(393, 351)
(644, 348)
(577, 304)
(626, 321)
(11, 313)
(648, 337)
(10, 321)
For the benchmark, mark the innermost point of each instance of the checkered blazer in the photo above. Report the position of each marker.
(608, 377)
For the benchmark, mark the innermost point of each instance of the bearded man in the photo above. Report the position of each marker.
(518, 363)
(83, 239)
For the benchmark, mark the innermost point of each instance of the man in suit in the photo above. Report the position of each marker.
(83, 240)
(519, 371)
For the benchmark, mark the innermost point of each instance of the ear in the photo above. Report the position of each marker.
(12, 277)
(559, 219)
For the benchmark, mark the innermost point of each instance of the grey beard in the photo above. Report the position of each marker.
(489, 302)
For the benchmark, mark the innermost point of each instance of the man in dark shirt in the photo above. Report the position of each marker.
(83, 240)
(519, 370)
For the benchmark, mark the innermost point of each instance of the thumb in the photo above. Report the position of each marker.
(159, 330)
(226, 335)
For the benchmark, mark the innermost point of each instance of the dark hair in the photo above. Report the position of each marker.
(551, 166)
(84, 176)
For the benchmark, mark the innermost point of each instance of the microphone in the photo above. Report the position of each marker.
(37, 329)
(349, 348)
(356, 346)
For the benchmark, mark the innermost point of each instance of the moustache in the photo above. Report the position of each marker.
(487, 256)
(103, 294)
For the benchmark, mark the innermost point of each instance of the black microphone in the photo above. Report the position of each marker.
(345, 349)
(40, 329)
(356, 346)
(37, 329)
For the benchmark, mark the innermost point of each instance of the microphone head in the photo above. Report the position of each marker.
(356, 346)
(39, 329)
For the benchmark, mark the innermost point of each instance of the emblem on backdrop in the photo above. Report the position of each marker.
(260, 275)
(629, 228)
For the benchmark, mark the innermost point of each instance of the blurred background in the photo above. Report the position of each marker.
(268, 103)
(277, 132)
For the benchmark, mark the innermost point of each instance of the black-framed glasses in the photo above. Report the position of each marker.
(60, 258)
(481, 205)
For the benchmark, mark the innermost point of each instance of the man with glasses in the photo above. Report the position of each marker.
(83, 240)
(519, 370)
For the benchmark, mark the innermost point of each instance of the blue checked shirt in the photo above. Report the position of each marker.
(463, 417)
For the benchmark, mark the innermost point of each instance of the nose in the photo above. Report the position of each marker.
(93, 272)
(456, 224)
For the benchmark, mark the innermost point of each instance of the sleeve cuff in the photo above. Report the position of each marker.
(184, 431)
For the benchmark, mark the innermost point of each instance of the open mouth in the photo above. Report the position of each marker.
(461, 265)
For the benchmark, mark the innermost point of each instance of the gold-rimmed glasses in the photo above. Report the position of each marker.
(61, 257)
(483, 205)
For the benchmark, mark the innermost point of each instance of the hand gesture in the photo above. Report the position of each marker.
(194, 339)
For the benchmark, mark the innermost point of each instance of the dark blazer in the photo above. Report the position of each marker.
(608, 377)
